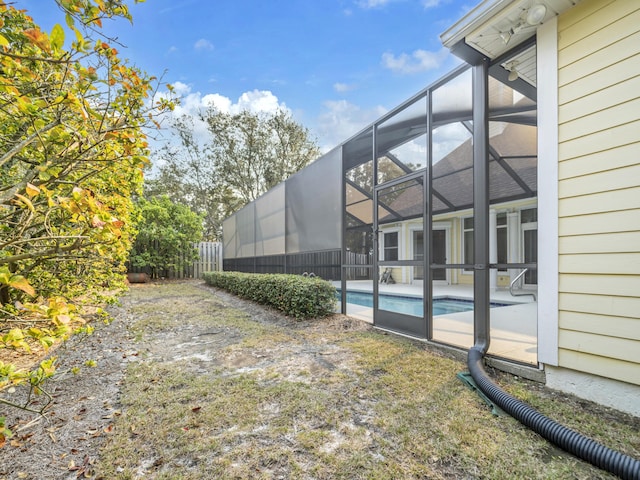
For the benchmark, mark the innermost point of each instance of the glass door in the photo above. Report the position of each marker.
(439, 254)
(529, 221)
(530, 240)
(417, 244)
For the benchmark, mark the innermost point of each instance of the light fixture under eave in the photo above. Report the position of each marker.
(536, 14)
(505, 36)
(513, 73)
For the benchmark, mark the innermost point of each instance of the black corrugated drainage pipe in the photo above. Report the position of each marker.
(573, 442)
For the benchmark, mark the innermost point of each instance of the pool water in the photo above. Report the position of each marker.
(412, 306)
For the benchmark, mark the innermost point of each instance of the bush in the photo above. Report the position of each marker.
(294, 295)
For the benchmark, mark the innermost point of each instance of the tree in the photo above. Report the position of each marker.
(187, 175)
(255, 152)
(245, 155)
(166, 234)
(72, 152)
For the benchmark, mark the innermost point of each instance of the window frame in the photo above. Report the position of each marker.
(384, 247)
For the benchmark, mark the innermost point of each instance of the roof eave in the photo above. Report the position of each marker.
(475, 17)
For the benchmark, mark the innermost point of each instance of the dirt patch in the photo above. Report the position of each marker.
(191, 382)
(65, 442)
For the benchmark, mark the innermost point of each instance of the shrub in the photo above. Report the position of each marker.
(294, 295)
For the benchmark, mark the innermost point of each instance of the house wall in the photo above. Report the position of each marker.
(453, 222)
(599, 189)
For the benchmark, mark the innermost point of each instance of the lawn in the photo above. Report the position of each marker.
(223, 388)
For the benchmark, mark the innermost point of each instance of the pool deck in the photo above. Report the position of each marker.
(513, 327)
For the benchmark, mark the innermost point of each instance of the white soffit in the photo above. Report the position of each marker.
(495, 26)
(525, 64)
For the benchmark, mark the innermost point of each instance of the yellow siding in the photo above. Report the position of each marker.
(602, 345)
(603, 120)
(617, 306)
(599, 243)
(616, 94)
(622, 156)
(601, 202)
(600, 284)
(602, 325)
(626, 177)
(597, 365)
(600, 141)
(622, 221)
(610, 263)
(599, 188)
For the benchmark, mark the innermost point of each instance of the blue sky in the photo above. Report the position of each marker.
(336, 65)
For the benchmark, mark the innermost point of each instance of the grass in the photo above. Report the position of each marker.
(308, 400)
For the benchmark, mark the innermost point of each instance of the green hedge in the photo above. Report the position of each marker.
(297, 296)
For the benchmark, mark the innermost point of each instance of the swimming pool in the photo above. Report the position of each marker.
(411, 305)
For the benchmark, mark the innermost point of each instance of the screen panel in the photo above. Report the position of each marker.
(245, 228)
(229, 237)
(314, 206)
(270, 222)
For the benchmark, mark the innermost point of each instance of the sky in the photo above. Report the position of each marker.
(335, 65)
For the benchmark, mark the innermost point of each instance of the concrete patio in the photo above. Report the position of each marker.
(513, 327)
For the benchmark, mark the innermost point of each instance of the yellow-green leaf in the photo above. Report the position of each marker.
(21, 283)
(26, 201)
(3, 41)
(32, 190)
(57, 37)
(69, 19)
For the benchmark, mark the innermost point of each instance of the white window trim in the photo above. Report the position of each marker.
(383, 232)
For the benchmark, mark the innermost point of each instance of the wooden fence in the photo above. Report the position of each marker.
(209, 259)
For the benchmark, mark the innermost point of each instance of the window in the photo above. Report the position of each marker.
(467, 242)
(390, 246)
(502, 239)
(530, 215)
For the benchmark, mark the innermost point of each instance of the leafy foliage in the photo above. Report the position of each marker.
(166, 233)
(294, 295)
(244, 155)
(72, 153)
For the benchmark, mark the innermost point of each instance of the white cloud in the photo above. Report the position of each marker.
(368, 4)
(343, 87)
(372, 3)
(418, 61)
(259, 101)
(172, 49)
(193, 103)
(218, 101)
(447, 138)
(203, 44)
(181, 88)
(341, 119)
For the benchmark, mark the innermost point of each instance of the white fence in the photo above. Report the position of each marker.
(210, 259)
